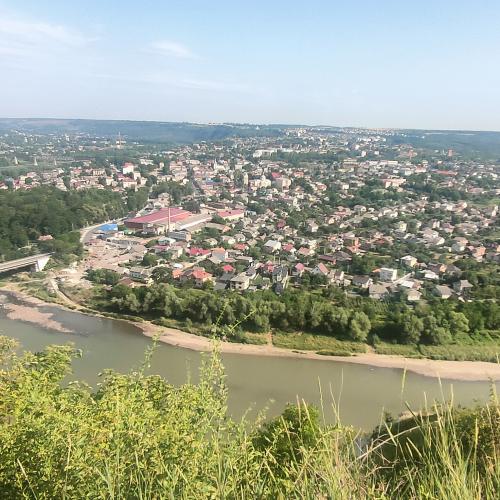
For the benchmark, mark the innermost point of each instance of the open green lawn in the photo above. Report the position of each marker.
(483, 352)
(204, 331)
(409, 351)
(479, 352)
(311, 342)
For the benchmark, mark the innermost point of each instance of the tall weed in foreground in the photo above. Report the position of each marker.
(136, 436)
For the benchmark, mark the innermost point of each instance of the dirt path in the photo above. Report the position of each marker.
(62, 295)
(269, 338)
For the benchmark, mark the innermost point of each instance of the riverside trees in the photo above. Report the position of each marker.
(321, 312)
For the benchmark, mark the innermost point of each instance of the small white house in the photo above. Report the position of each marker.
(409, 261)
(272, 246)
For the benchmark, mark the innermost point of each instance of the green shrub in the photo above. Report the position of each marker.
(443, 452)
(338, 352)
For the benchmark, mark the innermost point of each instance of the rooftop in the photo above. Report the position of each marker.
(176, 214)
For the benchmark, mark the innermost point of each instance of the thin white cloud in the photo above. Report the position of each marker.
(172, 49)
(181, 82)
(25, 42)
(23, 31)
(12, 50)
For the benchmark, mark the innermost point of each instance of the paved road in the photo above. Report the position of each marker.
(86, 232)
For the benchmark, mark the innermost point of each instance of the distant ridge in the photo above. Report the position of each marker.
(169, 132)
(465, 142)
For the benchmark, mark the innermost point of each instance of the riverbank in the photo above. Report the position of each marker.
(35, 316)
(454, 370)
(451, 370)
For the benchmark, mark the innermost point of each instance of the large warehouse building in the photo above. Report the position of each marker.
(161, 218)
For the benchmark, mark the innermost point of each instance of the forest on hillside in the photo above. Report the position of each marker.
(27, 215)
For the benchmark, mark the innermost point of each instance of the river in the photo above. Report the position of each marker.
(361, 392)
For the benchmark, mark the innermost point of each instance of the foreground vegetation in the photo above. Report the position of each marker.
(137, 436)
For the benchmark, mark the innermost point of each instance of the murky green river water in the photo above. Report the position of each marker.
(361, 392)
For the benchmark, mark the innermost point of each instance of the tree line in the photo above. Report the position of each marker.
(326, 312)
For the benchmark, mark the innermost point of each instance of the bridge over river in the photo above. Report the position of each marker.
(33, 262)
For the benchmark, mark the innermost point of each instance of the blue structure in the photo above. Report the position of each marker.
(109, 228)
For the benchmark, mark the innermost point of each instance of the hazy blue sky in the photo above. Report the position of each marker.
(406, 63)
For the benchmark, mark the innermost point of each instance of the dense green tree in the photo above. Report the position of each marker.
(137, 199)
(412, 328)
(149, 260)
(161, 274)
(359, 326)
(103, 276)
(176, 190)
(433, 333)
(329, 313)
(192, 206)
(25, 215)
(459, 325)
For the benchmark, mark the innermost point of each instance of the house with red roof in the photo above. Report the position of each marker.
(161, 248)
(298, 269)
(267, 268)
(197, 275)
(320, 269)
(240, 246)
(305, 252)
(328, 258)
(176, 273)
(198, 252)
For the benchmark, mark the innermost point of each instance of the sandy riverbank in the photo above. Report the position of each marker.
(455, 370)
(31, 314)
(451, 370)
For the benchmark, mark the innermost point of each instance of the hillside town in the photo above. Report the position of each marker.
(309, 208)
(249, 250)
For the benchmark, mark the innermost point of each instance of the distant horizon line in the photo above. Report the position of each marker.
(253, 124)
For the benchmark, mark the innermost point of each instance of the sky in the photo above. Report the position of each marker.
(367, 63)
